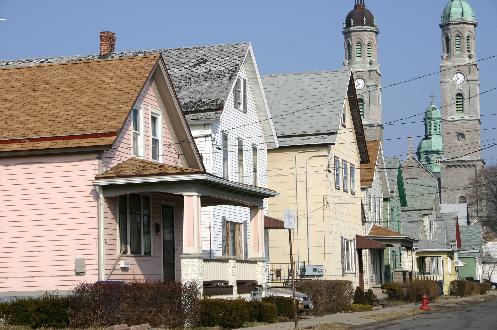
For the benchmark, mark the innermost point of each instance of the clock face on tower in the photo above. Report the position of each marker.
(359, 84)
(458, 78)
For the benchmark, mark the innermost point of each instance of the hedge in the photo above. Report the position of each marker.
(467, 288)
(284, 306)
(235, 313)
(328, 296)
(360, 308)
(412, 291)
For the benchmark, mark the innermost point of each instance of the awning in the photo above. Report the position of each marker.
(273, 223)
(363, 243)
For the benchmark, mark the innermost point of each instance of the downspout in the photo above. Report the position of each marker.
(101, 234)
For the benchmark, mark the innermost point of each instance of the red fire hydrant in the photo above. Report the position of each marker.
(424, 303)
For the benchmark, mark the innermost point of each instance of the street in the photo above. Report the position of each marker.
(476, 316)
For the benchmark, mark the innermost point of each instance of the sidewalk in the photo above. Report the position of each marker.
(348, 320)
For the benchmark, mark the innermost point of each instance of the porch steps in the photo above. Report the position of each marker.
(378, 292)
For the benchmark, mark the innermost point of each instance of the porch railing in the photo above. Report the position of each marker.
(429, 277)
(230, 270)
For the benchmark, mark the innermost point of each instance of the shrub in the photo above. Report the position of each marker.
(359, 297)
(395, 291)
(267, 312)
(284, 306)
(464, 288)
(328, 296)
(360, 308)
(417, 288)
(485, 287)
(101, 304)
(369, 297)
(48, 311)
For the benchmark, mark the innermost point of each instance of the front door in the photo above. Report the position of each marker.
(168, 250)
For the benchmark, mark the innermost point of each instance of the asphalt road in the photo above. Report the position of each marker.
(482, 315)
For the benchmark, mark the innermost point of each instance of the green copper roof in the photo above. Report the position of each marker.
(458, 11)
(432, 112)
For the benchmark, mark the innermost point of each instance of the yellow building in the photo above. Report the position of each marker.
(316, 171)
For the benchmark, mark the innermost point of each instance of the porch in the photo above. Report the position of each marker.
(436, 265)
(151, 229)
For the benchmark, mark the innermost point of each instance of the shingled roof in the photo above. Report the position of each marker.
(69, 104)
(368, 170)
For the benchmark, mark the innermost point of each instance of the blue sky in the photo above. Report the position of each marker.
(287, 35)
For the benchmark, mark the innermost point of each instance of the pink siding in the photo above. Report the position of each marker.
(48, 218)
(142, 267)
(148, 102)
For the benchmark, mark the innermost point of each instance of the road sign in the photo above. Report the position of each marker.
(289, 218)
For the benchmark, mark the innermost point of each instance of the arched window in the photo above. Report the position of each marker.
(358, 49)
(459, 103)
(447, 44)
(468, 44)
(349, 51)
(360, 102)
(458, 43)
(463, 200)
(370, 50)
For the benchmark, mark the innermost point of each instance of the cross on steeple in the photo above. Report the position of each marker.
(432, 96)
(411, 146)
(359, 3)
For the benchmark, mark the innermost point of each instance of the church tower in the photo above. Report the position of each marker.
(460, 88)
(430, 148)
(361, 56)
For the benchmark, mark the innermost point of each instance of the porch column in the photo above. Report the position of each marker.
(101, 234)
(361, 268)
(256, 247)
(192, 264)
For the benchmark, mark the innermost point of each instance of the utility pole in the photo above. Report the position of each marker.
(292, 271)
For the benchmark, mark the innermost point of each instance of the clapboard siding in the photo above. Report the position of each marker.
(48, 218)
(148, 102)
(143, 267)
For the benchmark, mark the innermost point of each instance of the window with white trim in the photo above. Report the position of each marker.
(225, 156)
(352, 179)
(232, 238)
(240, 95)
(255, 165)
(337, 172)
(345, 169)
(155, 126)
(240, 161)
(135, 225)
(348, 255)
(137, 133)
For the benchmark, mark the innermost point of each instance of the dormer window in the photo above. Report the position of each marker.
(137, 133)
(240, 95)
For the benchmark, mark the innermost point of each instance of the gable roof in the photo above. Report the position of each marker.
(383, 232)
(307, 107)
(368, 170)
(203, 76)
(73, 104)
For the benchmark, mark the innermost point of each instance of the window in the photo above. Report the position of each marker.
(458, 43)
(373, 201)
(155, 124)
(344, 117)
(349, 51)
(337, 173)
(447, 44)
(348, 256)
(225, 156)
(137, 132)
(232, 239)
(352, 179)
(240, 160)
(134, 225)
(345, 169)
(360, 103)
(370, 50)
(255, 178)
(358, 49)
(463, 200)
(468, 44)
(240, 95)
(432, 230)
(460, 103)
(460, 137)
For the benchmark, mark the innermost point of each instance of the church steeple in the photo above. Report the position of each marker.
(431, 147)
(361, 56)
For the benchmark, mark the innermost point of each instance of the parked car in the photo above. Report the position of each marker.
(305, 301)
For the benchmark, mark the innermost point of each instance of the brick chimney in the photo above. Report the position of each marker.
(107, 43)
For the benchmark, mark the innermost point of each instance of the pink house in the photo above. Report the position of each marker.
(101, 180)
